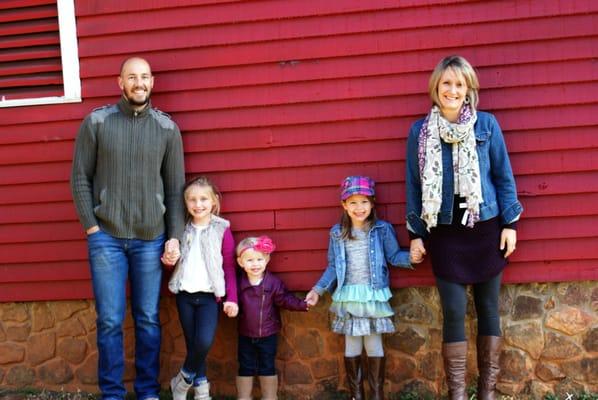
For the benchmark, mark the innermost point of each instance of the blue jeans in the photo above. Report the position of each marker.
(198, 313)
(257, 355)
(113, 261)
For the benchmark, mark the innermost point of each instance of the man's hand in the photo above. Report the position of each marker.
(93, 229)
(172, 252)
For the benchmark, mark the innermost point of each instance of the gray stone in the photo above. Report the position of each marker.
(55, 372)
(559, 347)
(408, 341)
(296, 373)
(527, 307)
(20, 376)
(414, 313)
(515, 366)
(590, 341)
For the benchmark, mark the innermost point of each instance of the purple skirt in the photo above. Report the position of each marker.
(467, 255)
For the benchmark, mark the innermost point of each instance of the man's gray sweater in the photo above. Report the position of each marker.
(128, 173)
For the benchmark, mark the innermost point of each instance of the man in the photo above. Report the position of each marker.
(127, 181)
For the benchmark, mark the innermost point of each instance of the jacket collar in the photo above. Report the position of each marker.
(129, 111)
(336, 229)
(244, 284)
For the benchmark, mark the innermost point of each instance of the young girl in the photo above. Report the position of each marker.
(204, 275)
(261, 294)
(358, 252)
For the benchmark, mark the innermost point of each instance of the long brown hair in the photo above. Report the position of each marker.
(347, 224)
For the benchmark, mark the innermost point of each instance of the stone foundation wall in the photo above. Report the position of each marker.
(550, 332)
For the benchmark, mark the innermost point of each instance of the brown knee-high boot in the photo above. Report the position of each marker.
(376, 377)
(488, 365)
(354, 377)
(455, 356)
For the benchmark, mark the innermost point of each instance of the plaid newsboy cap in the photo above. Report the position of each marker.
(357, 185)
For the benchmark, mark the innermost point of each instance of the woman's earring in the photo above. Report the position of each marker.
(466, 100)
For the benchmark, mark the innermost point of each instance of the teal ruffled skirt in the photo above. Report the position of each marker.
(360, 310)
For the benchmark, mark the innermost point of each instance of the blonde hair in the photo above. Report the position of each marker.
(459, 65)
(203, 181)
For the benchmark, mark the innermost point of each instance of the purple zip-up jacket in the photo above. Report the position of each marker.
(258, 305)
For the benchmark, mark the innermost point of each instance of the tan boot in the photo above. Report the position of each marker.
(488, 365)
(354, 377)
(244, 387)
(179, 387)
(455, 356)
(202, 392)
(376, 377)
(269, 386)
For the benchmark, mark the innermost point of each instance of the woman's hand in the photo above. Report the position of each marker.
(230, 309)
(417, 251)
(508, 238)
(312, 298)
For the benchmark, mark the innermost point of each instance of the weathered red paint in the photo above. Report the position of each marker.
(278, 101)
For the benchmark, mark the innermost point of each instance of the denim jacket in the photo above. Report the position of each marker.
(498, 184)
(384, 249)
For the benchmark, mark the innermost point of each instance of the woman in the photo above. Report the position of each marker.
(461, 198)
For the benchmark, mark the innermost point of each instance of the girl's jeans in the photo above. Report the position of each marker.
(257, 355)
(198, 313)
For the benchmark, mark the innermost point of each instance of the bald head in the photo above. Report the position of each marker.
(136, 81)
(134, 60)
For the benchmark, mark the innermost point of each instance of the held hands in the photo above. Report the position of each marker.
(417, 251)
(93, 229)
(508, 238)
(171, 252)
(230, 309)
(312, 298)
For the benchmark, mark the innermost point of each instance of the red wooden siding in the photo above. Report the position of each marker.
(279, 100)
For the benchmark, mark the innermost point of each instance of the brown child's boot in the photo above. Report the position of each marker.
(354, 377)
(376, 377)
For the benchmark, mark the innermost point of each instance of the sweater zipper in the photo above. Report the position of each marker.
(261, 311)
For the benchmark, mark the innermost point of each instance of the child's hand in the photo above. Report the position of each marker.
(417, 251)
(230, 309)
(312, 298)
(171, 252)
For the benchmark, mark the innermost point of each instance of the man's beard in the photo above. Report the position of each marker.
(134, 102)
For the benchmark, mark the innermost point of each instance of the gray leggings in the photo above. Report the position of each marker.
(454, 304)
(373, 345)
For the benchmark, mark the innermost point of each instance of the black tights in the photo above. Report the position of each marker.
(454, 304)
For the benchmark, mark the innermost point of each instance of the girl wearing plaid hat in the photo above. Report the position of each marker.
(360, 248)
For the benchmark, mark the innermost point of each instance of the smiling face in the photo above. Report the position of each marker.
(253, 263)
(358, 208)
(136, 82)
(200, 202)
(452, 91)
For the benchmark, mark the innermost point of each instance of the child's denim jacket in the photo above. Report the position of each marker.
(384, 249)
(498, 184)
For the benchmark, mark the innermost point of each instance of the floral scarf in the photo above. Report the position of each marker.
(466, 166)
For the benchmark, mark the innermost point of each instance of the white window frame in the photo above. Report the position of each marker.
(69, 54)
